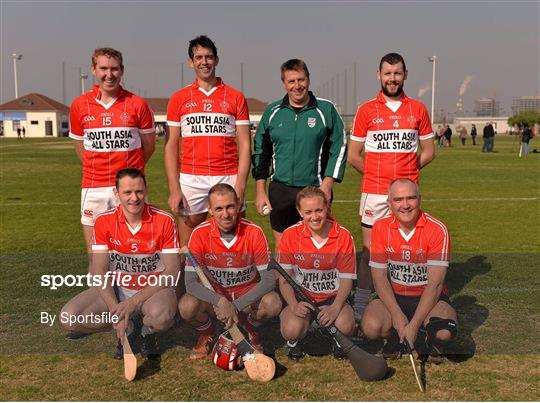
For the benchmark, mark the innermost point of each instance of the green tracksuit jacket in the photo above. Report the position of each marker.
(302, 147)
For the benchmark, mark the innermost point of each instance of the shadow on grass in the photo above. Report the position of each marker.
(148, 368)
(471, 315)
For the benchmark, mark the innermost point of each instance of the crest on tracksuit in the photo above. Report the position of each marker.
(311, 122)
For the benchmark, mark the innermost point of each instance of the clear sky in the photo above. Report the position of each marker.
(494, 42)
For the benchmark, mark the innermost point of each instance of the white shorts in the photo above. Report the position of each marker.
(95, 201)
(195, 190)
(373, 207)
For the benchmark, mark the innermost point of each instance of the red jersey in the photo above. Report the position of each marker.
(390, 140)
(318, 267)
(136, 251)
(111, 134)
(407, 256)
(234, 264)
(208, 123)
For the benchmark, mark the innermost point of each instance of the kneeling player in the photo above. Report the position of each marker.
(138, 243)
(320, 255)
(235, 252)
(409, 259)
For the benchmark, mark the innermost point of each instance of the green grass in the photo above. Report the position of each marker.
(490, 203)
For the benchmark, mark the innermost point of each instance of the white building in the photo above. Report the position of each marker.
(500, 124)
(40, 116)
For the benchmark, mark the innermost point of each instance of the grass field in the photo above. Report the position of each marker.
(490, 203)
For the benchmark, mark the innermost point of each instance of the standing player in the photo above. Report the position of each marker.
(319, 254)
(139, 244)
(409, 260)
(236, 253)
(389, 129)
(114, 129)
(303, 139)
(213, 121)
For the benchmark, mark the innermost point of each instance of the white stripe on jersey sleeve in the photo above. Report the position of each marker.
(171, 250)
(173, 124)
(262, 267)
(75, 136)
(243, 123)
(287, 267)
(376, 265)
(100, 248)
(147, 131)
(355, 138)
(426, 136)
(352, 276)
(442, 263)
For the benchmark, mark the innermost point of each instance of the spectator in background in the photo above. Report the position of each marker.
(19, 133)
(463, 135)
(526, 136)
(440, 135)
(489, 135)
(448, 135)
(474, 133)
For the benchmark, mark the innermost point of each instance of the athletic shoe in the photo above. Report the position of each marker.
(435, 355)
(295, 350)
(203, 347)
(391, 350)
(119, 353)
(337, 352)
(149, 346)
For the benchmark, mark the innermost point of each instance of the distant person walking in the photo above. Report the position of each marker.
(23, 132)
(19, 133)
(463, 135)
(489, 137)
(525, 138)
(474, 133)
(440, 136)
(448, 135)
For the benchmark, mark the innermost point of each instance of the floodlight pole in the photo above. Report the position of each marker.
(16, 57)
(83, 79)
(433, 59)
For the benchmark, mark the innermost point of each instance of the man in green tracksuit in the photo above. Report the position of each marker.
(303, 138)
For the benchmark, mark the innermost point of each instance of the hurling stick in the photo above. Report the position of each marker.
(259, 367)
(413, 365)
(130, 361)
(367, 366)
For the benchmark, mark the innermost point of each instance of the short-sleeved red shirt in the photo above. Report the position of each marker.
(390, 140)
(318, 268)
(406, 256)
(208, 121)
(136, 251)
(110, 134)
(234, 264)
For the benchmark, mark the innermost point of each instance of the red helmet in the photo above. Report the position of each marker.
(225, 354)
